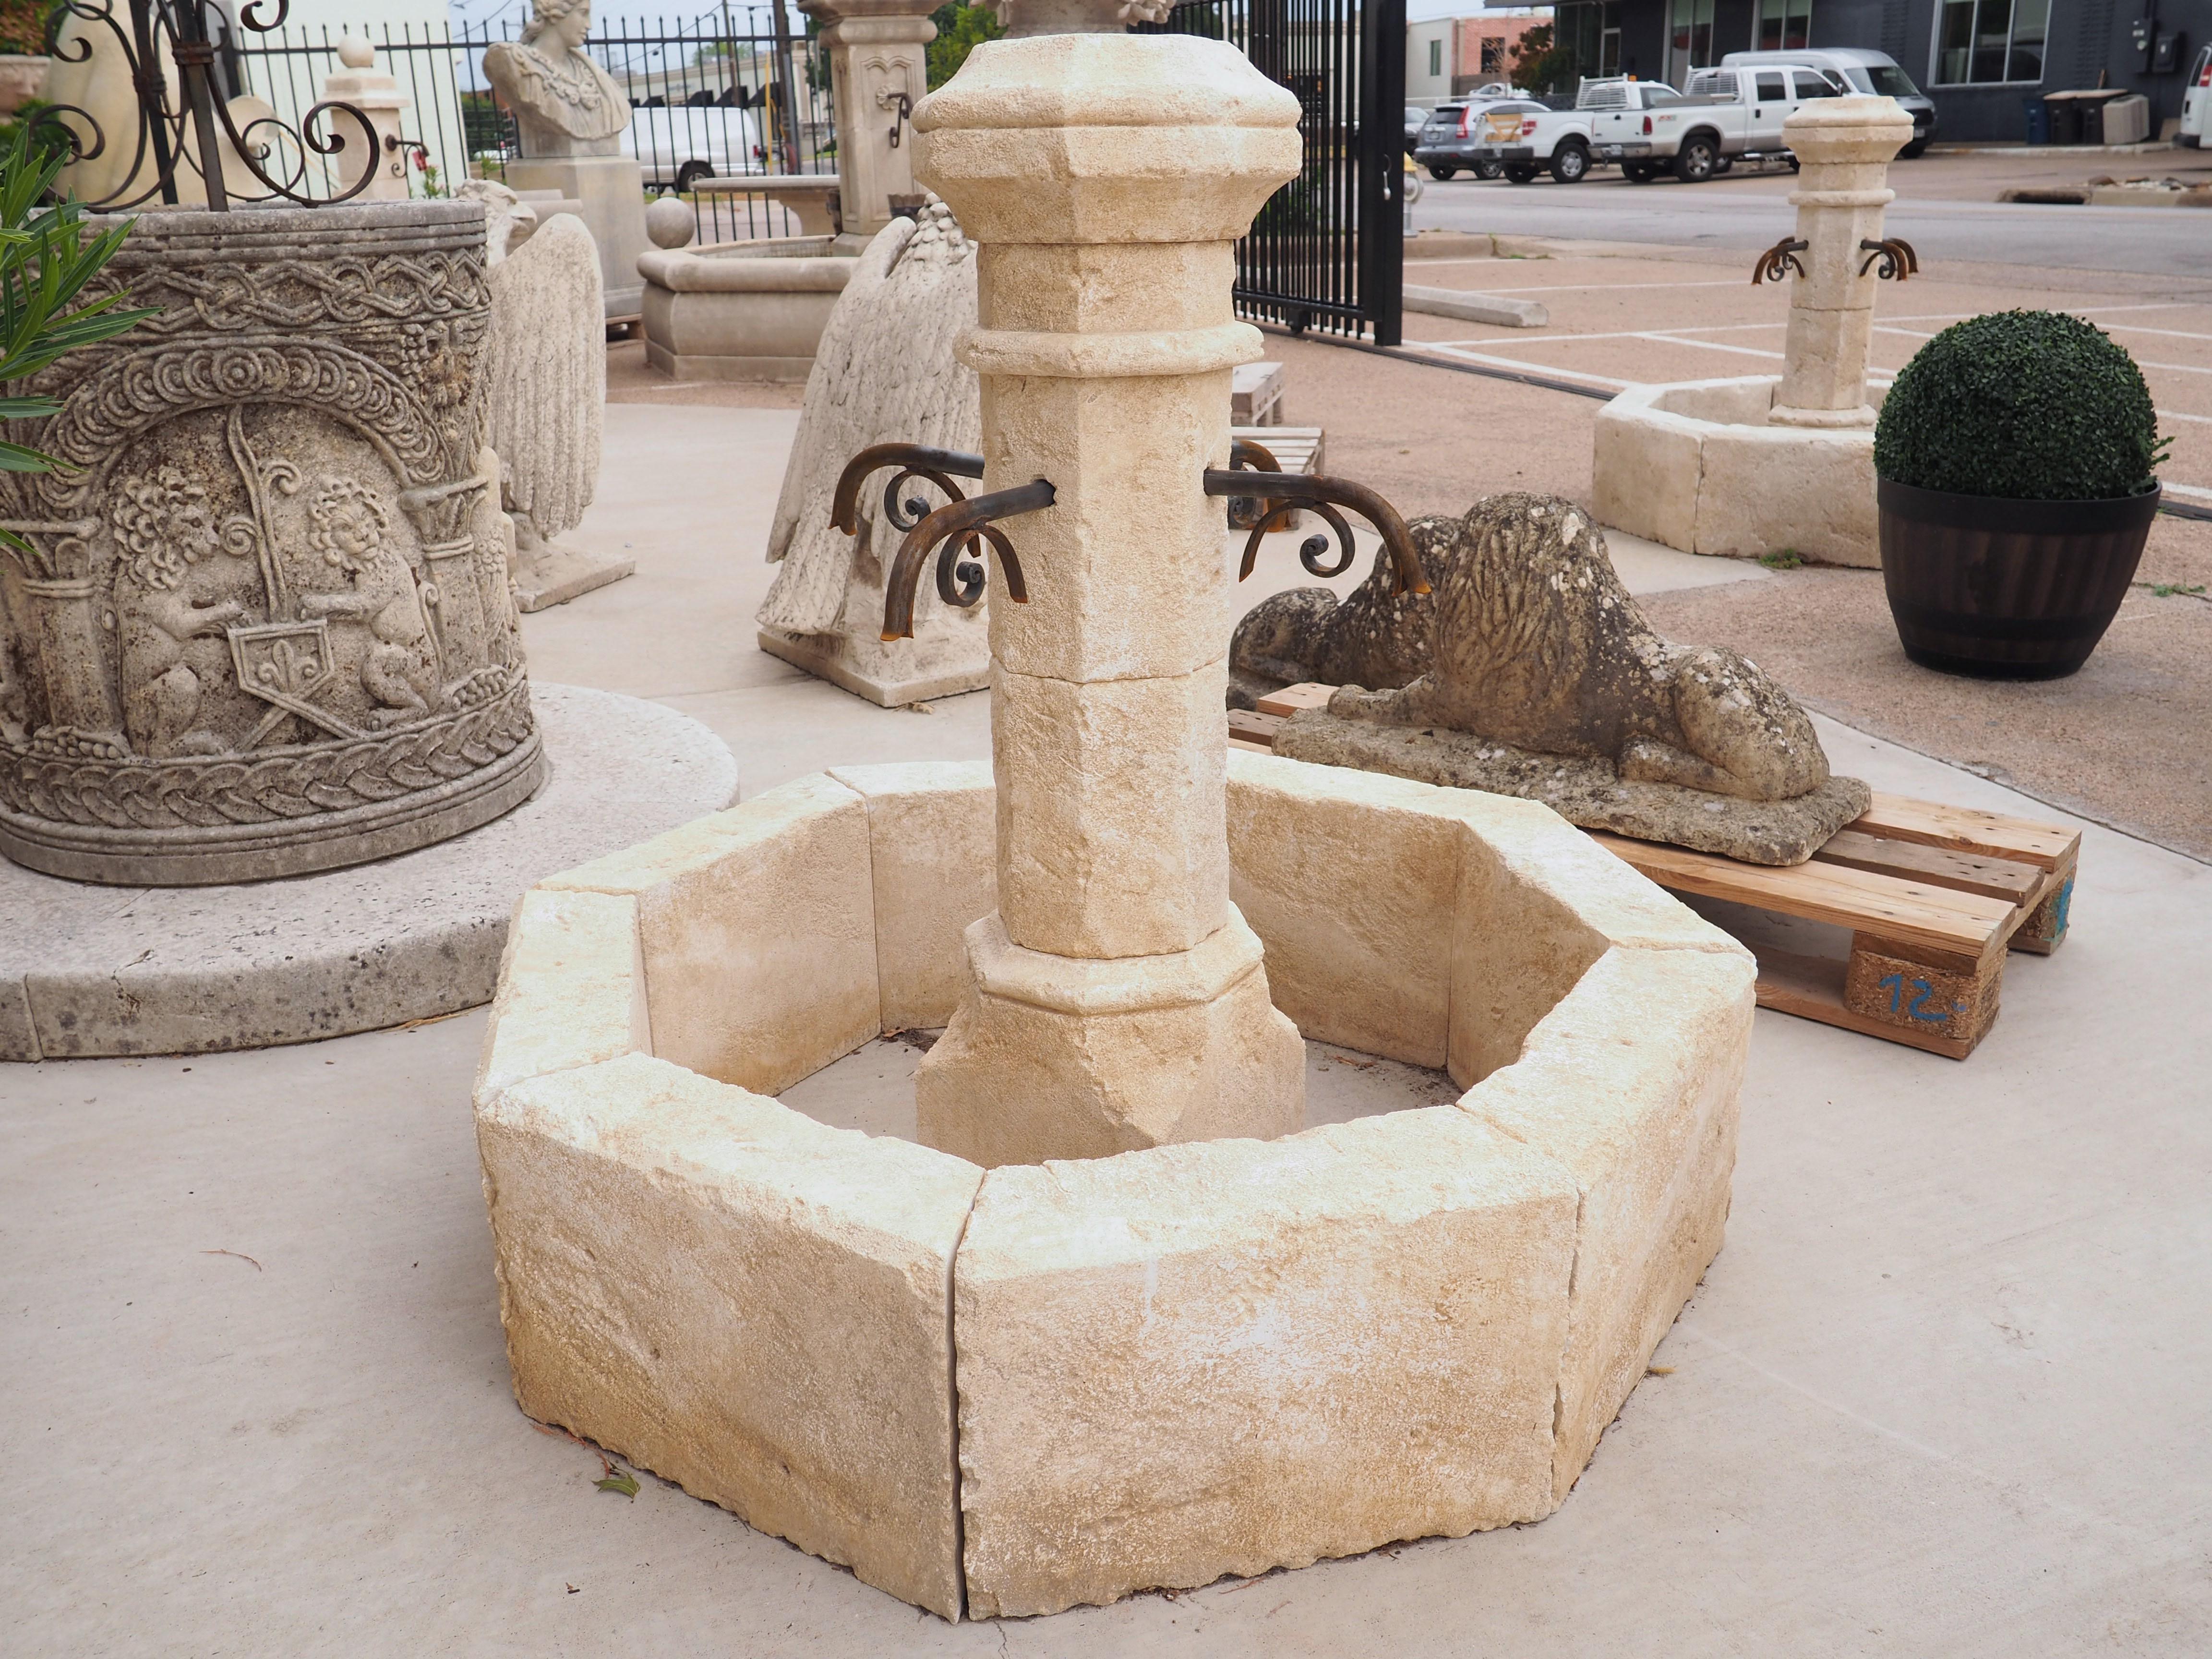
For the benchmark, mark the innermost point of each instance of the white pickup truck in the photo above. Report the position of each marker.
(1649, 128)
(1520, 135)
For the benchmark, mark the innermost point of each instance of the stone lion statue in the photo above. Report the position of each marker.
(1530, 671)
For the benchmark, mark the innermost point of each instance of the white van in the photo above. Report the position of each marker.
(1873, 73)
(2197, 102)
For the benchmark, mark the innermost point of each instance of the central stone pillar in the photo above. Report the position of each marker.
(878, 71)
(1116, 999)
(1843, 147)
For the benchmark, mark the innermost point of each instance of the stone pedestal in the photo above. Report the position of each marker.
(1116, 998)
(378, 97)
(261, 625)
(612, 191)
(1843, 147)
(878, 71)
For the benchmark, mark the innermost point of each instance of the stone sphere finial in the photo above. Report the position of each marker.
(670, 222)
(355, 54)
(1027, 17)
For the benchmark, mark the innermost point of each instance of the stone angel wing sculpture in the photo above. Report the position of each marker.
(547, 371)
(884, 373)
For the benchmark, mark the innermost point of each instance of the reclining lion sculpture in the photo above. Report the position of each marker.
(1530, 671)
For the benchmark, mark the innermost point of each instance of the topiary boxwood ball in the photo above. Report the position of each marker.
(2028, 405)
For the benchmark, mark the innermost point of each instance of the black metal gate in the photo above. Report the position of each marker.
(1328, 251)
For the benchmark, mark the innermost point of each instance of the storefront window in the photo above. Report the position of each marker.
(1987, 40)
(1690, 39)
(1784, 24)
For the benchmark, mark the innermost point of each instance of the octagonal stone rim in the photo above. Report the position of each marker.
(574, 1001)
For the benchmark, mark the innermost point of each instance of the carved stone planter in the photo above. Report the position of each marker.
(262, 625)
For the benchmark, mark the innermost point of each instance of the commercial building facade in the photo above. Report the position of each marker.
(1980, 60)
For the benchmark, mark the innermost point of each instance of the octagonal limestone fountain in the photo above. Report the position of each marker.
(1122, 1323)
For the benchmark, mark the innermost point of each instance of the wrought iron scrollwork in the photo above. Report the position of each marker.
(955, 531)
(1895, 257)
(952, 530)
(159, 33)
(1286, 491)
(938, 466)
(1779, 260)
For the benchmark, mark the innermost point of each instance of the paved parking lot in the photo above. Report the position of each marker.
(1694, 314)
(1946, 206)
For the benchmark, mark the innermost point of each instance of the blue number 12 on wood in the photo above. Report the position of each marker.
(1897, 985)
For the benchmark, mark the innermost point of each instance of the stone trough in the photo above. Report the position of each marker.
(1009, 1391)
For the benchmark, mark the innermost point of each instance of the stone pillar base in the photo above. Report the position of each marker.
(612, 191)
(1060, 1057)
(890, 672)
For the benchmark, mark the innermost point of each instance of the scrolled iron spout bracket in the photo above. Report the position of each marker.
(1779, 260)
(1284, 491)
(938, 466)
(1894, 255)
(956, 529)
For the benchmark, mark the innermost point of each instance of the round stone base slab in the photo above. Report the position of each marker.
(88, 970)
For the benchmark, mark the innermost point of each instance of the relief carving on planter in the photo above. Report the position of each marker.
(262, 625)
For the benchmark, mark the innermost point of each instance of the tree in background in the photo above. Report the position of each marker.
(1540, 64)
(23, 27)
(960, 30)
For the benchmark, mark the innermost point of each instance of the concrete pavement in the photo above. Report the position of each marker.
(1940, 1395)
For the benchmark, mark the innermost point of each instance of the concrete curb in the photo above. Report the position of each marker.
(1476, 308)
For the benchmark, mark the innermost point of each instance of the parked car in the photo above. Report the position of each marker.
(1450, 135)
(1416, 118)
(1862, 70)
(677, 145)
(2197, 103)
(1727, 115)
(1519, 136)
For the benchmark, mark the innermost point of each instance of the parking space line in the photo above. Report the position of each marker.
(1496, 362)
(2176, 415)
(2187, 489)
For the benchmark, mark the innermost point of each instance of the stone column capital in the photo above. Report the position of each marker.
(1098, 139)
(835, 14)
(1831, 132)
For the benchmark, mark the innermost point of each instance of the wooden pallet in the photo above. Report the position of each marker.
(1931, 896)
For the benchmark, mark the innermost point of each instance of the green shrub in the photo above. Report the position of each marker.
(2029, 405)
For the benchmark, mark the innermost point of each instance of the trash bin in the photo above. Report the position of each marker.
(2093, 120)
(2039, 120)
(2065, 119)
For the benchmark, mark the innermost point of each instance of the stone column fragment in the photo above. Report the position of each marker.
(878, 71)
(1116, 999)
(1843, 147)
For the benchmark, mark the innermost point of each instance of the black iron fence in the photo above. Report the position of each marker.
(720, 94)
(1328, 251)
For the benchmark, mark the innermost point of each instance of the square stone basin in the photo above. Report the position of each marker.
(1013, 1391)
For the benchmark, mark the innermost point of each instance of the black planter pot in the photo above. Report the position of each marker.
(2003, 589)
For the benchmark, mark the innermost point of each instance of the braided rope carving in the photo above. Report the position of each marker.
(275, 785)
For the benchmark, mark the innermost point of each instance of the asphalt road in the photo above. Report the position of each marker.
(1753, 213)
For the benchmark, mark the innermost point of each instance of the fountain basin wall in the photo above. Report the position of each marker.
(740, 311)
(1695, 465)
(1012, 1391)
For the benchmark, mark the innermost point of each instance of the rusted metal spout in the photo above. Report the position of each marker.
(958, 526)
(940, 466)
(1285, 490)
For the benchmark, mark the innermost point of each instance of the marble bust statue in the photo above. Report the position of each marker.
(564, 103)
